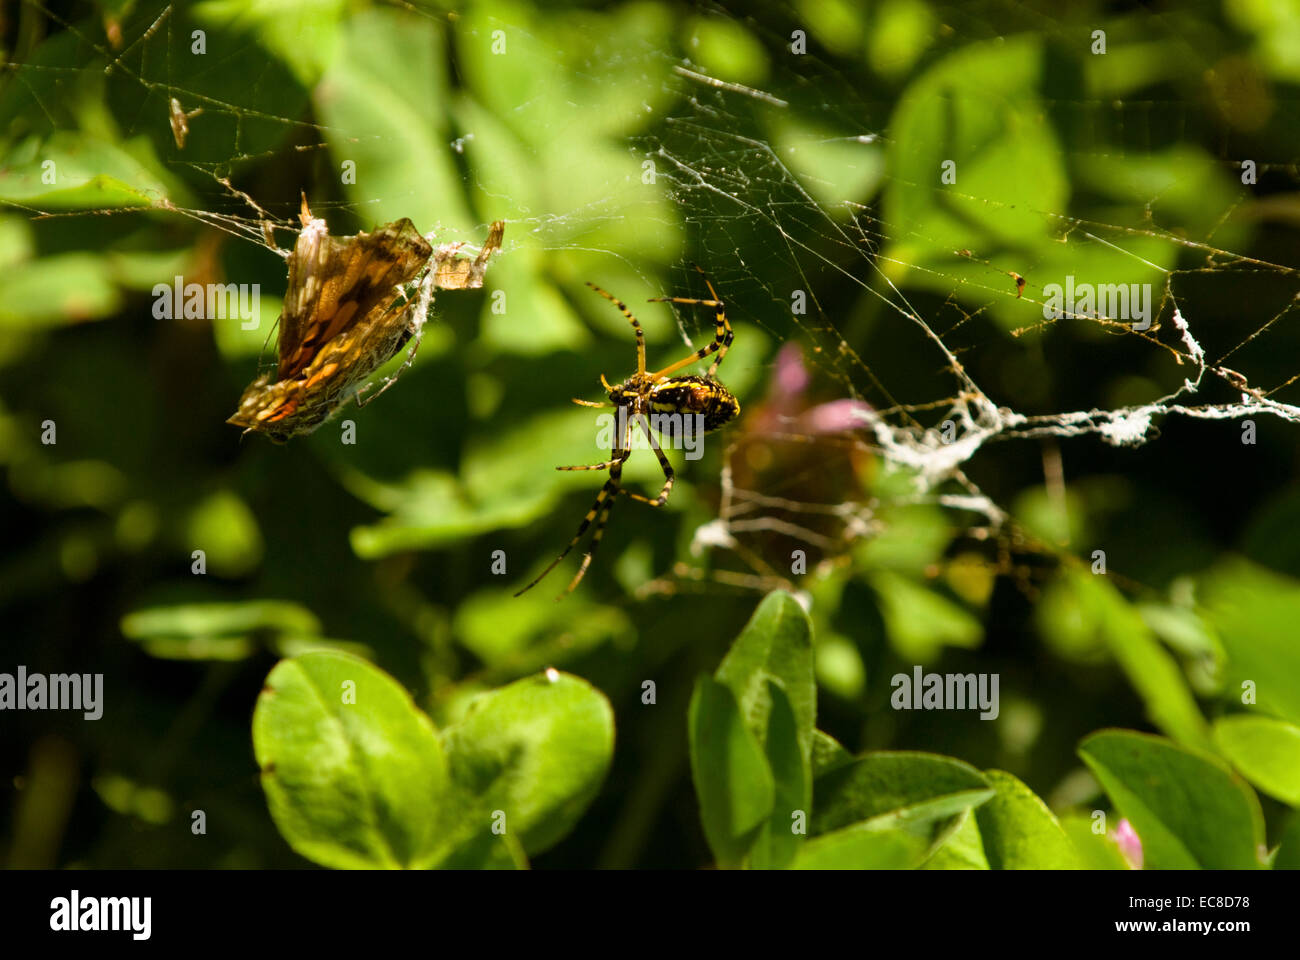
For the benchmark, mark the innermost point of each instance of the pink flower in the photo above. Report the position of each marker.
(785, 408)
(1129, 843)
(791, 378)
(834, 417)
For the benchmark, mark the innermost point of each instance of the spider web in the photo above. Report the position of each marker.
(735, 182)
(797, 186)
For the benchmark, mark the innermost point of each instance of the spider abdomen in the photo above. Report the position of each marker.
(695, 395)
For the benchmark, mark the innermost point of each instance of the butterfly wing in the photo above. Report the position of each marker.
(454, 272)
(334, 282)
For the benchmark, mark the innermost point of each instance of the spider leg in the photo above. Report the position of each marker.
(613, 484)
(669, 476)
(608, 464)
(722, 336)
(590, 403)
(618, 454)
(640, 334)
(600, 508)
(599, 512)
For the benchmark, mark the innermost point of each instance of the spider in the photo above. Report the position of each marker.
(655, 393)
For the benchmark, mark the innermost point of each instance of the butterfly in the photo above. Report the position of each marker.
(346, 313)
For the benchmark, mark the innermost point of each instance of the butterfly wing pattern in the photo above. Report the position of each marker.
(345, 316)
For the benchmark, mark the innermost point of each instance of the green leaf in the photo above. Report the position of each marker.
(840, 669)
(487, 851)
(225, 529)
(834, 168)
(429, 509)
(1186, 632)
(1181, 183)
(901, 31)
(505, 180)
(962, 850)
(506, 633)
(1056, 520)
(1018, 830)
(862, 847)
(1287, 856)
(1255, 612)
(353, 772)
(769, 670)
(1098, 609)
(1266, 751)
(898, 788)
(776, 644)
(977, 108)
(920, 621)
(88, 174)
(828, 753)
(220, 631)
(777, 843)
(726, 50)
(382, 102)
(839, 26)
(304, 34)
(1096, 851)
(1188, 809)
(58, 289)
(536, 750)
(553, 91)
(914, 535)
(732, 779)
(553, 325)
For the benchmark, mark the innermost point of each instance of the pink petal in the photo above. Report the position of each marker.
(834, 417)
(1130, 844)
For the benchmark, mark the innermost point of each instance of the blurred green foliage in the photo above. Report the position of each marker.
(1116, 168)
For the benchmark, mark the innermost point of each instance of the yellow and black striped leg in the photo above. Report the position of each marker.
(600, 507)
(623, 455)
(722, 333)
(636, 325)
(619, 453)
(669, 476)
(612, 485)
(599, 512)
